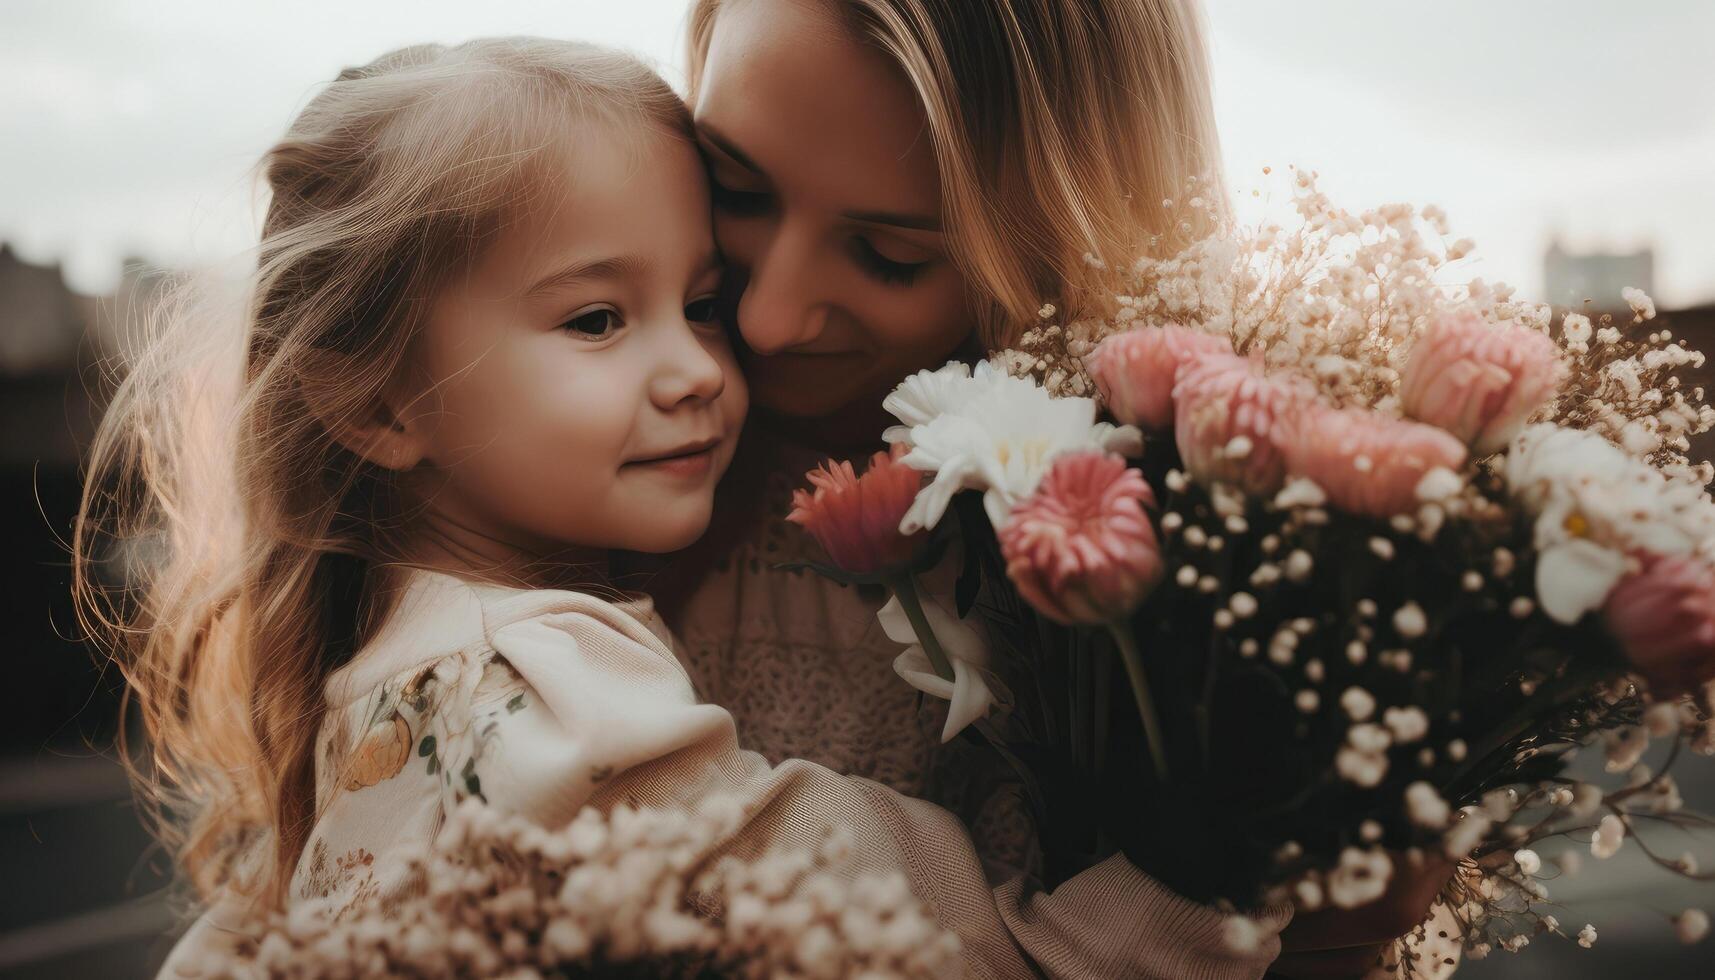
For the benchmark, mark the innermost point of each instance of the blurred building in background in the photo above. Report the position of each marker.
(1574, 278)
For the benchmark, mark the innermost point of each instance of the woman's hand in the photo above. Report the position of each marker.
(1334, 942)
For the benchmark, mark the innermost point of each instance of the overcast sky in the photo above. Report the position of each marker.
(129, 128)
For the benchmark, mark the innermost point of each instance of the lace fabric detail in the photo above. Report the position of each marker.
(805, 670)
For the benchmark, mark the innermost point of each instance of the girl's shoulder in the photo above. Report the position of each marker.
(526, 699)
(458, 657)
(440, 617)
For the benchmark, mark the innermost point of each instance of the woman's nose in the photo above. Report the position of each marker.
(781, 307)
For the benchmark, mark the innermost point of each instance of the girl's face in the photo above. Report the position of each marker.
(579, 390)
(827, 205)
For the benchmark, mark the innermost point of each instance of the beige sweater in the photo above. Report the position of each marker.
(547, 701)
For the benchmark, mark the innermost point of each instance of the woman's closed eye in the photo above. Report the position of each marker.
(891, 272)
(595, 323)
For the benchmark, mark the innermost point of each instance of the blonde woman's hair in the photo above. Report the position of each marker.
(1059, 126)
(230, 552)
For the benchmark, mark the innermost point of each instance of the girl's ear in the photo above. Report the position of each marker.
(389, 432)
(383, 437)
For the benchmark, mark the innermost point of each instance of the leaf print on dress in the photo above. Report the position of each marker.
(500, 691)
(501, 687)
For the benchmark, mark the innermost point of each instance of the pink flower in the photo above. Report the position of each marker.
(1366, 462)
(1664, 618)
(1080, 549)
(856, 519)
(1135, 371)
(1479, 382)
(1226, 412)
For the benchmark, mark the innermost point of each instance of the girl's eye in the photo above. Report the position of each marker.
(890, 272)
(703, 309)
(596, 324)
(736, 202)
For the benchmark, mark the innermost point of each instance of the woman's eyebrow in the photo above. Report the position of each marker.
(726, 146)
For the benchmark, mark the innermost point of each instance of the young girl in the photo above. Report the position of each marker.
(480, 352)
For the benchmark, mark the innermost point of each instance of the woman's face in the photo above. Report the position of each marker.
(827, 206)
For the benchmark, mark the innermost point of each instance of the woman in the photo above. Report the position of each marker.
(897, 182)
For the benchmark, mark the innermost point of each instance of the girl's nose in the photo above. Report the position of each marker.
(688, 370)
(781, 307)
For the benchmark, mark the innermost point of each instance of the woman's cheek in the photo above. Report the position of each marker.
(929, 323)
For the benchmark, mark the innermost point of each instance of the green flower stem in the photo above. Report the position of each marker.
(905, 587)
(1140, 691)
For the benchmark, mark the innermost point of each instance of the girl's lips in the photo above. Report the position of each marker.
(683, 466)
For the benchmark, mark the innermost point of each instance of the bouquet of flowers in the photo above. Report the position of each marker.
(1350, 568)
(625, 893)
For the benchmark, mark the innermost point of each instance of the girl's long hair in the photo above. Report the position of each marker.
(1060, 128)
(230, 552)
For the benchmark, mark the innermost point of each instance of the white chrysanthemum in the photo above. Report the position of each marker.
(1593, 504)
(926, 395)
(990, 432)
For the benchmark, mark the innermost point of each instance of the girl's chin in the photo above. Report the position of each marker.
(669, 528)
